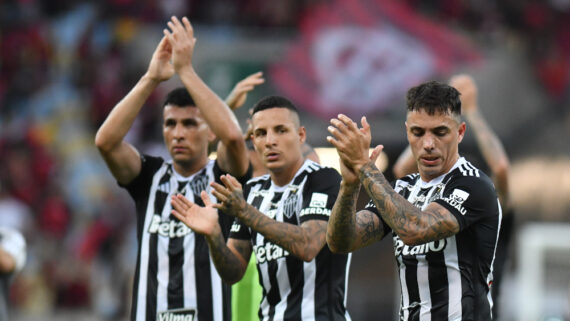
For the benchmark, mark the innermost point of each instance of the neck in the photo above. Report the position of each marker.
(188, 168)
(282, 178)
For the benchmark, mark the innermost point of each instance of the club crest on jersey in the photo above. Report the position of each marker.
(456, 200)
(290, 205)
(199, 184)
(177, 315)
(268, 252)
(168, 228)
(405, 250)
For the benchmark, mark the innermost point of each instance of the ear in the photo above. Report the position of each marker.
(302, 134)
(461, 132)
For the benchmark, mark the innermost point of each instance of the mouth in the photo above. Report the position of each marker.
(429, 160)
(273, 156)
(178, 149)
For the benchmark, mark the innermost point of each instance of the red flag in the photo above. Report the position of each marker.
(356, 57)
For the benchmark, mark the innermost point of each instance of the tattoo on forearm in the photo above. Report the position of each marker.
(299, 241)
(404, 218)
(226, 262)
(341, 230)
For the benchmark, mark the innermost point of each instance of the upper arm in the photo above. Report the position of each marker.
(233, 156)
(123, 161)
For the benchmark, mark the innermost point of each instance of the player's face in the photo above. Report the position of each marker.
(434, 140)
(278, 139)
(186, 135)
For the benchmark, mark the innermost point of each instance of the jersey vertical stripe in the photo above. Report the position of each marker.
(294, 289)
(175, 271)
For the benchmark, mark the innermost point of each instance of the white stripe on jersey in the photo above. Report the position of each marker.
(404, 288)
(423, 290)
(189, 279)
(453, 279)
(308, 303)
(217, 296)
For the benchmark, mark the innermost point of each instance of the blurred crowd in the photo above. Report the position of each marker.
(65, 64)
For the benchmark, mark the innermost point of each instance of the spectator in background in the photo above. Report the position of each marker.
(185, 286)
(12, 250)
(496, 158)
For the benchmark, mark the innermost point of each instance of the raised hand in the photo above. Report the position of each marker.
(202, 220)
(160, 68)
(352, 143)
(230, 196)
(181, 38)
(468, 89)
(238, 95)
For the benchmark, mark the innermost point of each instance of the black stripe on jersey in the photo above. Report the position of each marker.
(411, 276)
(273, 296)
(203, 273)
(175, 267)
(437, 277)
(135, 296)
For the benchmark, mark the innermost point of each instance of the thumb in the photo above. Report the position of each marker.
(376, 152)
(206, 199)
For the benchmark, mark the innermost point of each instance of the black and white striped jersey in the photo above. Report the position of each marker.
(175, 278)
(294, 289)
(449, 279)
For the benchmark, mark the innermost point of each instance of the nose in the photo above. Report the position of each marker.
(178, 132)
(428, 142)
(270, 138)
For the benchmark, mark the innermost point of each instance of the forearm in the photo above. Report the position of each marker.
(217, 114)
(341, 229)
(487, 141)
(116, 126)
(405, 219)
(303, 242)
(229, 265)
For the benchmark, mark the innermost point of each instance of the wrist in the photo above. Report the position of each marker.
(349, 186)
(150, 79)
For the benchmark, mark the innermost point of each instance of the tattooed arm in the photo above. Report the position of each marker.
(348, 231)
(411, 224)
(304, 241)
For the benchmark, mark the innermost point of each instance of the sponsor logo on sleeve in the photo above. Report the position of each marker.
(319, 200)
(235, 227)
(456, 200)
(269, 252)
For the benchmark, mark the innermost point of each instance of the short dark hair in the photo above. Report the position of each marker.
(179, 97)
(273, 102)
(434, 97)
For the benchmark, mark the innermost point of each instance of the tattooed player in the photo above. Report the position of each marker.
(444, 219)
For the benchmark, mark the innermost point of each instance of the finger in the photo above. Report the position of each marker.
(234, 182)
(168, 35)
(219, 196)
(178, 204)
(188, 26)
(347, 122)
(206, 199)
(365, 126)
(176, 22)
(227, 182)
(376, 152)
(333, 141)
(337, 133)
(179, 215)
